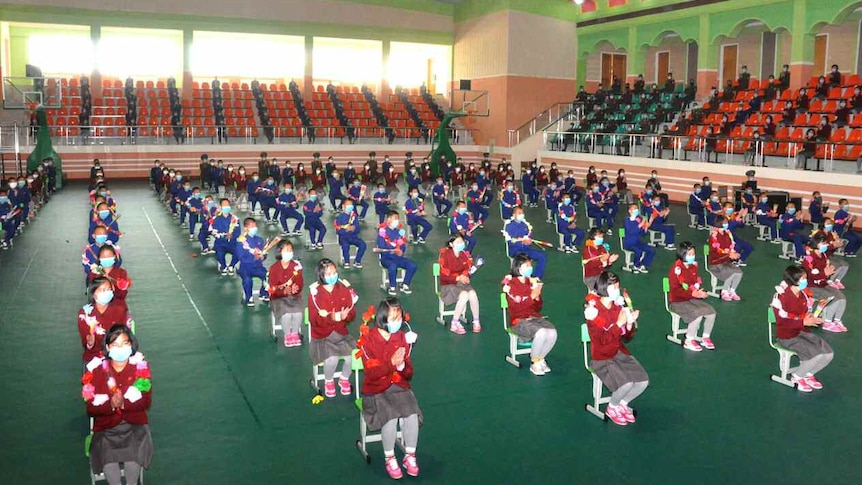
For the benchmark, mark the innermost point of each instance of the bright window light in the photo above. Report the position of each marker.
(61, 54)
(409, 65)
(247, 55)
(347, 61)
(140, 53)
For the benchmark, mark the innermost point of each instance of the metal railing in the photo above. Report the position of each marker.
(73, 135)
(552, 118)
(737, 150)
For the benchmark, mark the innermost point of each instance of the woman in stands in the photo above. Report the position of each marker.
(456, 267)
(285, 291)
(687, 296)
(99, 315)
(610, 321)
(331, 306)
(108, 268)
(524, 295)
(722, 257)
(792, 306)
(596, 257)
(819, 269)
(117, 391)
(386, 393)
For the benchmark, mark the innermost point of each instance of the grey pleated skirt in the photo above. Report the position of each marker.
(806, 345)
(526, 329)
(826, 292)
(619, 370)
(396, 402)
(124, 442)
(288, 304)
(450, 293)
(691, 310)
(724, 271)
(335, 345)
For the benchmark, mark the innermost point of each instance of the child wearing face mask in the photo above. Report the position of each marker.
(90, 256)
(381, 203)
(313, 209)
(596, 257)
(793, 304)
(386, 394)
(791, 230)
(414, 207)
(610, 322)
(357, 194)
(331, 306)
(251, 250)
(101, 313)
(225, 228)
(8, 214)
(266, 194)
(208, 213)
(766, 215)
(819, 269)
(252, 193)
(817, 209)
(844, 227)
(834, 242)
(285, 292)
(392, 247)
(287, 209)
(456, 268)
(104, 217)
(518, 234)
(524, 296)
(687, 296)
(195, 207)
(347, 228)
(462, 224)
(107, 267)
(636, 227)
(567, 217)
(723, 254)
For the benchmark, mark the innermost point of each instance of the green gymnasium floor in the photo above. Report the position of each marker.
(232, 406)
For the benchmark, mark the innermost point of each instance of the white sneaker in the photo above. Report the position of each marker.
(537, 369)
(545, 366)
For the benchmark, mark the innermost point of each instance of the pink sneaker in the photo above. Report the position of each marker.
(840, 324)
(410, 465)
(725, 296)
(813, 383)
(457, 328)
(706, 342)
(801, 384)
(392, 468)
(297, 340)
(628, 413)
(735, 296)
(617, 414)
(839, 285)
(832, 284)
(329, 388)
(477, 327)
(831, 327)
(692, 345)
(288, 340)
(344, 387)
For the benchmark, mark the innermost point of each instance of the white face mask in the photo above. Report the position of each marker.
(286, 255)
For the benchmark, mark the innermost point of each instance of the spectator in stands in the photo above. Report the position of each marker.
(582, 95)
(802, 101)
(856, 100)
(809, 146)
(639, 84)
(713, 102)
(569, 137)
(784, 78)
(768, 128)
(824, 132)
(842, 114)
(741, 115)
(821, 91)
(616, 85)
(727, 94)
(670, 83)
(690, 91)
(744, 79)
(835, 76)
(770, 90)
(788, 114)
(725, 126)
(711, 143)
(627, 94)
(753, 149)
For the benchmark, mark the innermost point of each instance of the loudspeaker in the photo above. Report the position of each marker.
(778, 200)
(466, 84)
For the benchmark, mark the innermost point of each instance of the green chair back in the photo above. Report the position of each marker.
(436, 269)
(504, 303)
(585, 333)
(665, 285)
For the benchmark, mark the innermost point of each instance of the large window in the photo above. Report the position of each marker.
(347, 61)
(61, 52)
(140, 53)
(410, 65)
(247, 55)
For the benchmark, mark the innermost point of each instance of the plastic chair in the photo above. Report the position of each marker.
(561, 247)
(384, 278)
(442, 313)
(675, 319)
(317, 376)
(598, 400)
(713, 280)
(788, 249)
(784, 354)
(516, 347)
(364, 436)
(629, 255)
(100, 477)
(656, 238)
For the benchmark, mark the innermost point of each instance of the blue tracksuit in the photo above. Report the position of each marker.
(251, 189)
(743, 247)
(335, 192)
(695, 206)
(749, 201)
(815, 208)
(854, 242)
(8, 223)
(208, 214)
(712, 206)
(461, 223)
(347, 228)
(612, 202)
(387, 239)
(764, 220)
(349, 175)
(484, 182)
(155, 175)
(109, 222)
(414, 208)
(354, 193)
(602, 214)
(441, 203)
(705, 192)
(510, 201)
(414, 180)
(661, 225)
(175, 187)
(226, 230)
(194, 217)
(182, 197)
(266, 196)
(287, 209)
(643, 252)
(791, 230)
(249, 249)
(91, 254)
(381, 204)
(528, 181)
(216, 178)
(287, 175)
(515, 232)
(312, 210)
(474, 205)
(566, 214)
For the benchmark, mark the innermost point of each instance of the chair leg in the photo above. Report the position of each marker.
(784, 367)
(513, 347)
(595, 407)
(675, 330)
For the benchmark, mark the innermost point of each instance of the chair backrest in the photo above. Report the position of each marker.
(622, 233)
(665, 286)
(435, 269)
(705, 255)
(770, 322)
(504, 306)
(585, 343)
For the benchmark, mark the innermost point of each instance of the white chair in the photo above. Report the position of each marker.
(692, 218)
(442, 313)
(675, 319)
(656, 238)
(764, 233)
(840, 251)
(317, 376)
(560, 237)
(788, 249)
(364, 436)
(100, 477)
(516, 347)
(629, 255)
(598, 400)
(784, 354)
(384, 276)
(550, 219)
(714, 283)
(750, 219)
(591, 221)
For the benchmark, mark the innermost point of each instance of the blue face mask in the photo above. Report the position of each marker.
(656, 203)
(599, 241)
(252, 231)
(613, 293)
(393, 224)
(270, 182)
(728, 211)
(649, 191)
(414, 196)
(458, 247)
(104, 297)
(519, 217)
(198, 196)
(846, 208)
(20, 183)
(104, 214)
(4, 199)
(312, 197)
(179, 177)
(526, 271)
(101, 239)
(348, 209)
(510, 189)
(330, 279)
(827, 228)
(803, 284)
(476, 187)
(690, 258)
(606, 184)
(225, 210)
(763, 199)
(595, 189)
(287, 190)
(823, 248)
(462, 210)
(107, 262)
(103, 193)
(394, 326)
(725, 225)
(120, 354)
(636, 213)
(211, 204)
(187, 187)
(791, 211)
(567, 201)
